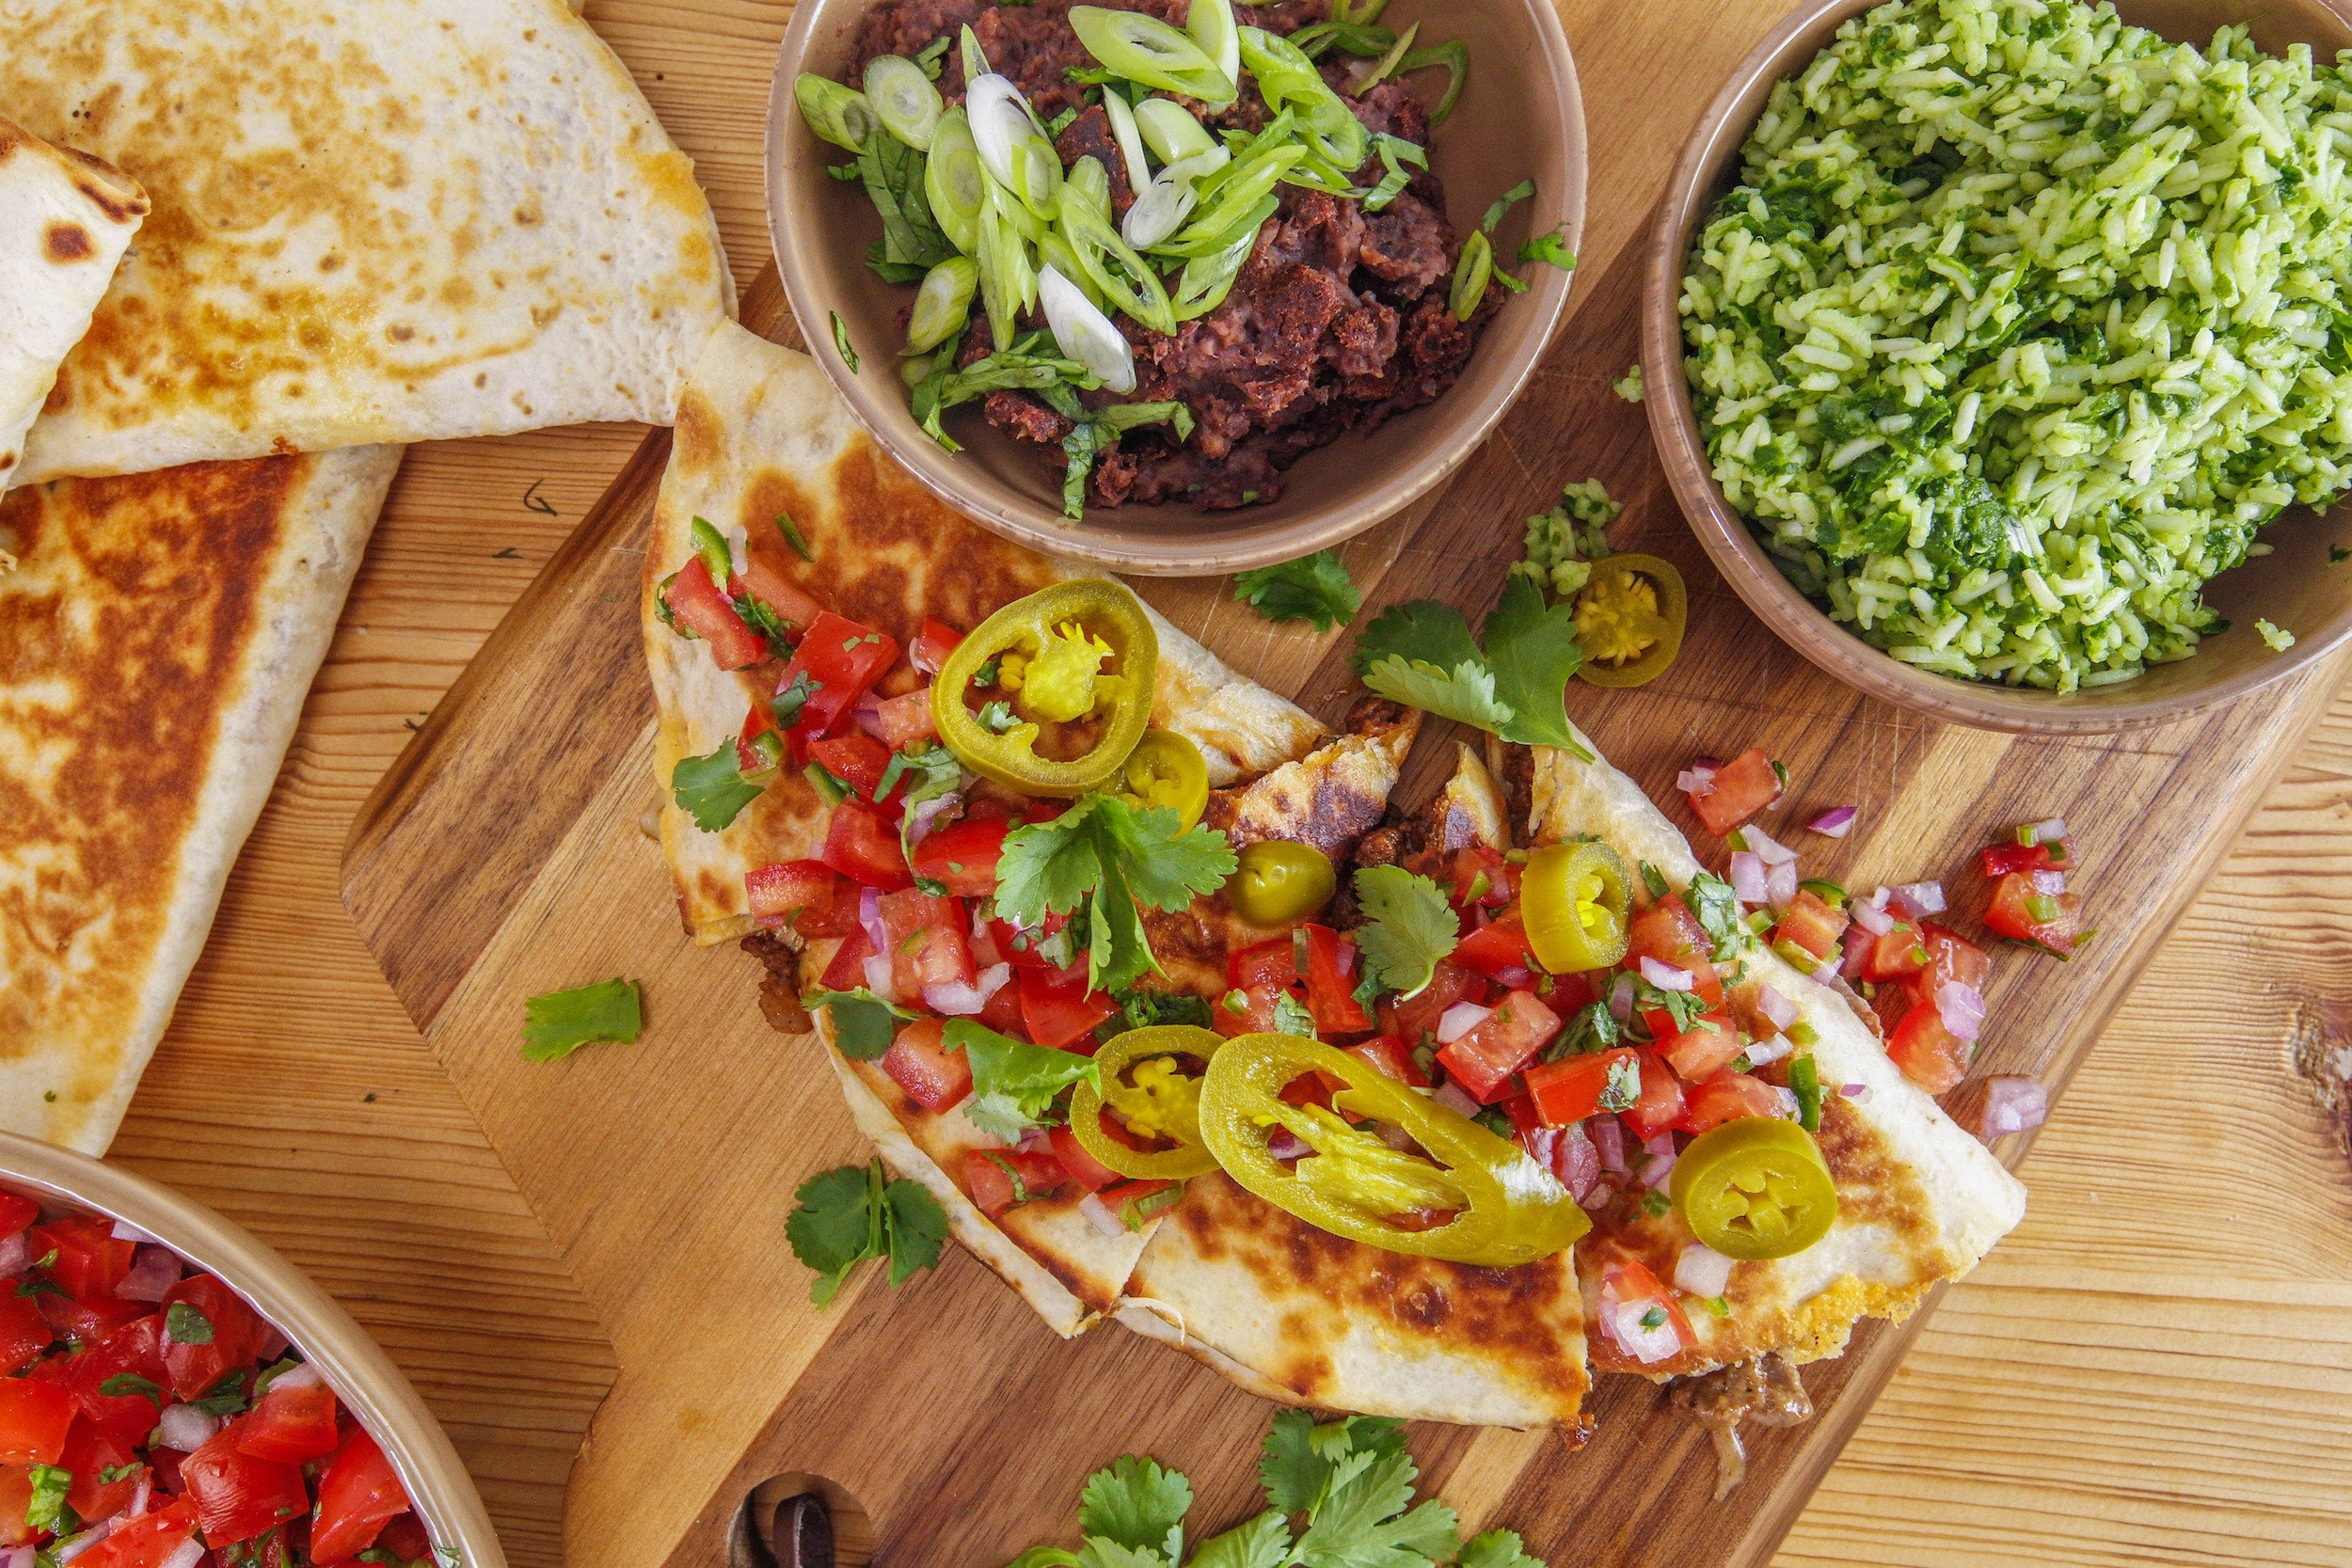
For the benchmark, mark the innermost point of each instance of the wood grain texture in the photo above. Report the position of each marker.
(2099, 1393)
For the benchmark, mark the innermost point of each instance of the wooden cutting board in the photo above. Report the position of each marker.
(504, 856)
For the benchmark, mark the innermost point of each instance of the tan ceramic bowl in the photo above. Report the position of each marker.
(2296, 586)
(361, 1375)
(1520, 115)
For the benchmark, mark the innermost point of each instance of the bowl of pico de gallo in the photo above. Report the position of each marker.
(173, 1394)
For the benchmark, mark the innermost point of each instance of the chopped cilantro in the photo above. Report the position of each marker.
(1314, 588)
(1146, 1009)
(46, 1509)
(1411, 927)
(1655, 881)
(1653, 1317)
(863, 1023)
(791, 531)
(1110, 856)
(1717, 907)
(786, 704)
(1422, 653)
(560, 1022)
(2337, 554)
(187, 1325)
(841, 342)
(713, 789)
(1014, 1083)
(124, 1384)
(1655, 1202)
(1624, 1086)
(1291, 1017)
(842, 1217)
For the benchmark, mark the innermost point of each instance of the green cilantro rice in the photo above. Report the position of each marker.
(2022, 322)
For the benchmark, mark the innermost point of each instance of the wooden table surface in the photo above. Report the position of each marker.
(2156, 1368)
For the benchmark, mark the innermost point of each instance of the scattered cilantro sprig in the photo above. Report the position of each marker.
(1110, 856)
(562, 1021)
(1314, 588)
(863, 1023)
(1412, 926)
(844, 1216)
(1014, 1083)
(1422, 653)
(713, 789)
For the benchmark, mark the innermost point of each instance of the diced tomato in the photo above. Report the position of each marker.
(137, 1349)
(2002, 860)
(1633, 1282)
(148, 1540)
(762, 579)
(696, 603)
(1569, 1090)
(919, 1062)
(844, 659)
(236, 1341)
(1669, 932)
(1894, 999)
(754, 755)
(16, 1213)
(358, 1492)
(1495, 947)
(1387, 1056)
(2012, 915)
(1482, 879)
(237, 1495)
(846, 971)
(1660, 1104)
(1002, 1012)
(89, 1453)
(1812, 923)
(1254, 1016)
(1084, 1168)
(1019, 948)
(1896, 955)
(1952, 958)
(1059, 1009)
(86, 1320)
(808, 896)
(998, 1178)
(34, 1416)
(92, 1259)
(1409, 1020)
(932, 644)
(16, 1499)
(1332, 965)
(1709, 1046)
(1483, 1060)
(1742, 787)
(962, 857)
(1726, 1097)
(864, 848)
(1270, 963)
(1930, 1054)
(927, 946)
(857, 759)
(292, 1426)
(23, 1332)
(907, 719)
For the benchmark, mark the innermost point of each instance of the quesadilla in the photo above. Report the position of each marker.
(372, 223)
(157, 637)
(65, 220)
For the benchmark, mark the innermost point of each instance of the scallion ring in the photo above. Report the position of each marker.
(1007, 283)
(1147, 49)
(1089, 183)
(1289, 80)
(840, 115)
(953, 183)
(1210, 25)
(1388, 62)
(943, 303)
(1126, 279)
(1055, 252)
(1125, 131)
(1472, 275)
(1013, 147)
(1084, 333)
(1168, 198)
(1171, 133)
(903, 99)
(1207, 279)
(1454, 57)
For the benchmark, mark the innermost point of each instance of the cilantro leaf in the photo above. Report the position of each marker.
(934, 772)
(1138, 1504)
(1412, 926)
(1717, 905)
(1624, 1086)
(47, 1510)
(915, 1227)
(1532, 651)
(123, 1385)
(1313, 588)
(187, 1326)
(1291, 1470)
(1356, 1524)
(1264, 1542)
(1110, 856)
(1144, 1009)
(1291, 1017)
(1100, 1551)
(863, 1023)
(1423, 655)
(713, 789)
(1045, 1557)
(1421, 632)
(562, 1021)
(1495, 1548)
(844, 1216)
(1013, 1084)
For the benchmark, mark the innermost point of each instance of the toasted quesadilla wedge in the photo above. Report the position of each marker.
(372, 223)
(65, 220)
(157, 639)
(1919, 1199)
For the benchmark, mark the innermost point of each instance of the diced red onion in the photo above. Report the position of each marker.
(955, 999)
(1747, 877)
(878, 975)
(1454, 1098)
(1660, 1163)
(1665, 976)
(1858, 1093)
(1622, 1321)
(1872, 918)
(125, 1231)
(1765, 1052)
(2014, 1105)
(1774, 851)
(2046, 830)
(1515, 977)
(141, 1494)
(1396, 1138)
(1836, 822)
(186, 1428)
(300, 1376)
(921, 814)
(154, 1268)
(1855, 961)
(1961, 1008)
(1917, 900)
(1037, 1140)
(866, 716)
(1702, 1271)
(1621, 998)
(1780, 884)
(1460, 1019)
(1695, 779)
(18, 1557)
(1287, 1145)
(74, 1546)
(13, 1257)
(869, 916)
(1099, 1215)
(1575, 1161)
(1597, 1199)
(1608, 1135)
(1788, 1102)
(1775, 1006)
(2049, 883)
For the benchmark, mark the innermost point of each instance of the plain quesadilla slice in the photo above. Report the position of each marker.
(1920, 1199)
(65, 221)
(372, 223)
(157, 639)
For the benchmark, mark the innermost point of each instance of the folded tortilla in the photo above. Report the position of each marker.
(373, 222)
(157, 637)
(65, 220)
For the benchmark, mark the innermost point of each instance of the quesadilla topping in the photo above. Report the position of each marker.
(1051, 695)
(1143, 1120)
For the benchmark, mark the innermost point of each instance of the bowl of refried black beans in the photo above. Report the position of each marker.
(1177, 286)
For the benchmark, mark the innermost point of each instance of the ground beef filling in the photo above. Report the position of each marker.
(1337, 321)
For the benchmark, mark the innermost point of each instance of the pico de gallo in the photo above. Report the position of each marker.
(150, 1419)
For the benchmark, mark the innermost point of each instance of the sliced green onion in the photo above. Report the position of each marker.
(1290, 81)
(2043, 907)
(943, 303)
(1090, 181)
(1317, 173)
(1388, 62)
(1365, 43)
(1125, 279)
(1210, 24)
(953, 182)
(1471, 275)
(975, 58)
(1454, 57)
(1199, 239)
(1126, 132)
(718, 558)
(840, 115)
(1008, 282)
(1171, 134)
(1012, 146)
(1395, 152)
(916, 371)
(1165, 203)
(1055, 251)
(1502, 205)
(1086, 334)
(1231, 196)
(1147, 49)
(1207, 279)
(1363, 16)
(903, 99)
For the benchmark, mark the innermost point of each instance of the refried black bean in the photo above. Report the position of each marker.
(1337, 321)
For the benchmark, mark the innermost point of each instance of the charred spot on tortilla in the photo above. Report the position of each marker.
(68, 242)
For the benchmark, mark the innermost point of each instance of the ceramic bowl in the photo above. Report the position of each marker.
(1520, 117)
(362, 1376)
(2294, 587)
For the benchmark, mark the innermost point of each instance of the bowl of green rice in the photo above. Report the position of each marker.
(2002, 350)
